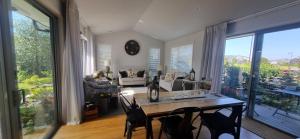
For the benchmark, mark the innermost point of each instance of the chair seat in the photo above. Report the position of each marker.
(136, 116)
(217, 121)
(171, 124)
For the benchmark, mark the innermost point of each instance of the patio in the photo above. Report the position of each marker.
(287, 122)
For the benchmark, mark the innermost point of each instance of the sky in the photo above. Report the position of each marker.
(276, 45)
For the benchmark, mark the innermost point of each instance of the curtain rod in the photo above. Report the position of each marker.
(291, 4)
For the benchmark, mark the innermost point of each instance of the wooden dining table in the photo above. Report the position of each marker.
(169, 102)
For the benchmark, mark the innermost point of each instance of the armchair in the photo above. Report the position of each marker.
(174, 83)
(99, 93)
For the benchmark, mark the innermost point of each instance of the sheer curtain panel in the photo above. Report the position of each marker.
(213, 55)
(72, 81)
(88, 53)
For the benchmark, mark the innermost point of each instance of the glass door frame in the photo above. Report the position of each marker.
(4, 116)
(13, 128)
(256, 58)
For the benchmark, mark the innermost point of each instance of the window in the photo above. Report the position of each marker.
(103, 54)
(84, 43)
(181, 58)
(237, 65)
(153, 60)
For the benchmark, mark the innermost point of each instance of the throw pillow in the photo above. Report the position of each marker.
(169, 77)
(95, 74)
(123, 74)
(140, 73)
(130, 73)
(98, 74)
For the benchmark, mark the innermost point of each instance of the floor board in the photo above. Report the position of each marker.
(112, 127)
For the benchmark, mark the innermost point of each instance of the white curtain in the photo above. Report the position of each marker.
(88, 53)
(213, 55)
(72, 82)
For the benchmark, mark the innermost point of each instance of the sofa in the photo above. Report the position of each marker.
(173, 82)
(132, 77)
(101, 93)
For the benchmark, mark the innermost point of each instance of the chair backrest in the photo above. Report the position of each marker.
(126, 107)
(184, 127)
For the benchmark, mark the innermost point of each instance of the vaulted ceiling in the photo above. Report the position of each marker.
(166, 19)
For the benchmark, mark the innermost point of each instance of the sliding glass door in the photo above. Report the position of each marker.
(277, 84)
(263, 69)
(28, 60)
(237, 65)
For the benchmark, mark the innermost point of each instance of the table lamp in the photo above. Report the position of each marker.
(107, 64)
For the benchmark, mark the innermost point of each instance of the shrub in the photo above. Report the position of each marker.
(28, 112)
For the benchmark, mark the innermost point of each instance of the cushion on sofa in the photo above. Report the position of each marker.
(132, 79)
(102, 81)
(123, 74)
(131, 73)
(98, 74)
(169, 76)
(140, 73)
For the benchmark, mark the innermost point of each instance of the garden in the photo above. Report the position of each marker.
(34, 62)
(272, 76)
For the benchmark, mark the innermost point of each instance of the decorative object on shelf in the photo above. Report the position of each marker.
(159, 71)
(132, 47)
(107, 64)
(153, 90)
(192, 75)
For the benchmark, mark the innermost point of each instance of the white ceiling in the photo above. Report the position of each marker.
(166, 19)
(104, 16)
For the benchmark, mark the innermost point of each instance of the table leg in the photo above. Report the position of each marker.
(149, 132)
(239, 120)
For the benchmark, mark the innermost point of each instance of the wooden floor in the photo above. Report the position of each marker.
(112, 127)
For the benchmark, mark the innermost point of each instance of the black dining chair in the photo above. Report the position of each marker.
(177, 126)
(218, 123)
(135, 117)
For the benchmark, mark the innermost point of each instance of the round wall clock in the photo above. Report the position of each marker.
(132, 47)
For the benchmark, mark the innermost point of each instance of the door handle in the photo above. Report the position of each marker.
(16, 98)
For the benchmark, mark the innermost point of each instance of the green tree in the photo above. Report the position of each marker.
(232, 78)
(33, 54)
(268, 70)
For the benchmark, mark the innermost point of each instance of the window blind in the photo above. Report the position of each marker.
(103, 54)
(153, 60)
(181, 58)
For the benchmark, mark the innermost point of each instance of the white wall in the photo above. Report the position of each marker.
(197, 40)
(120, 58)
